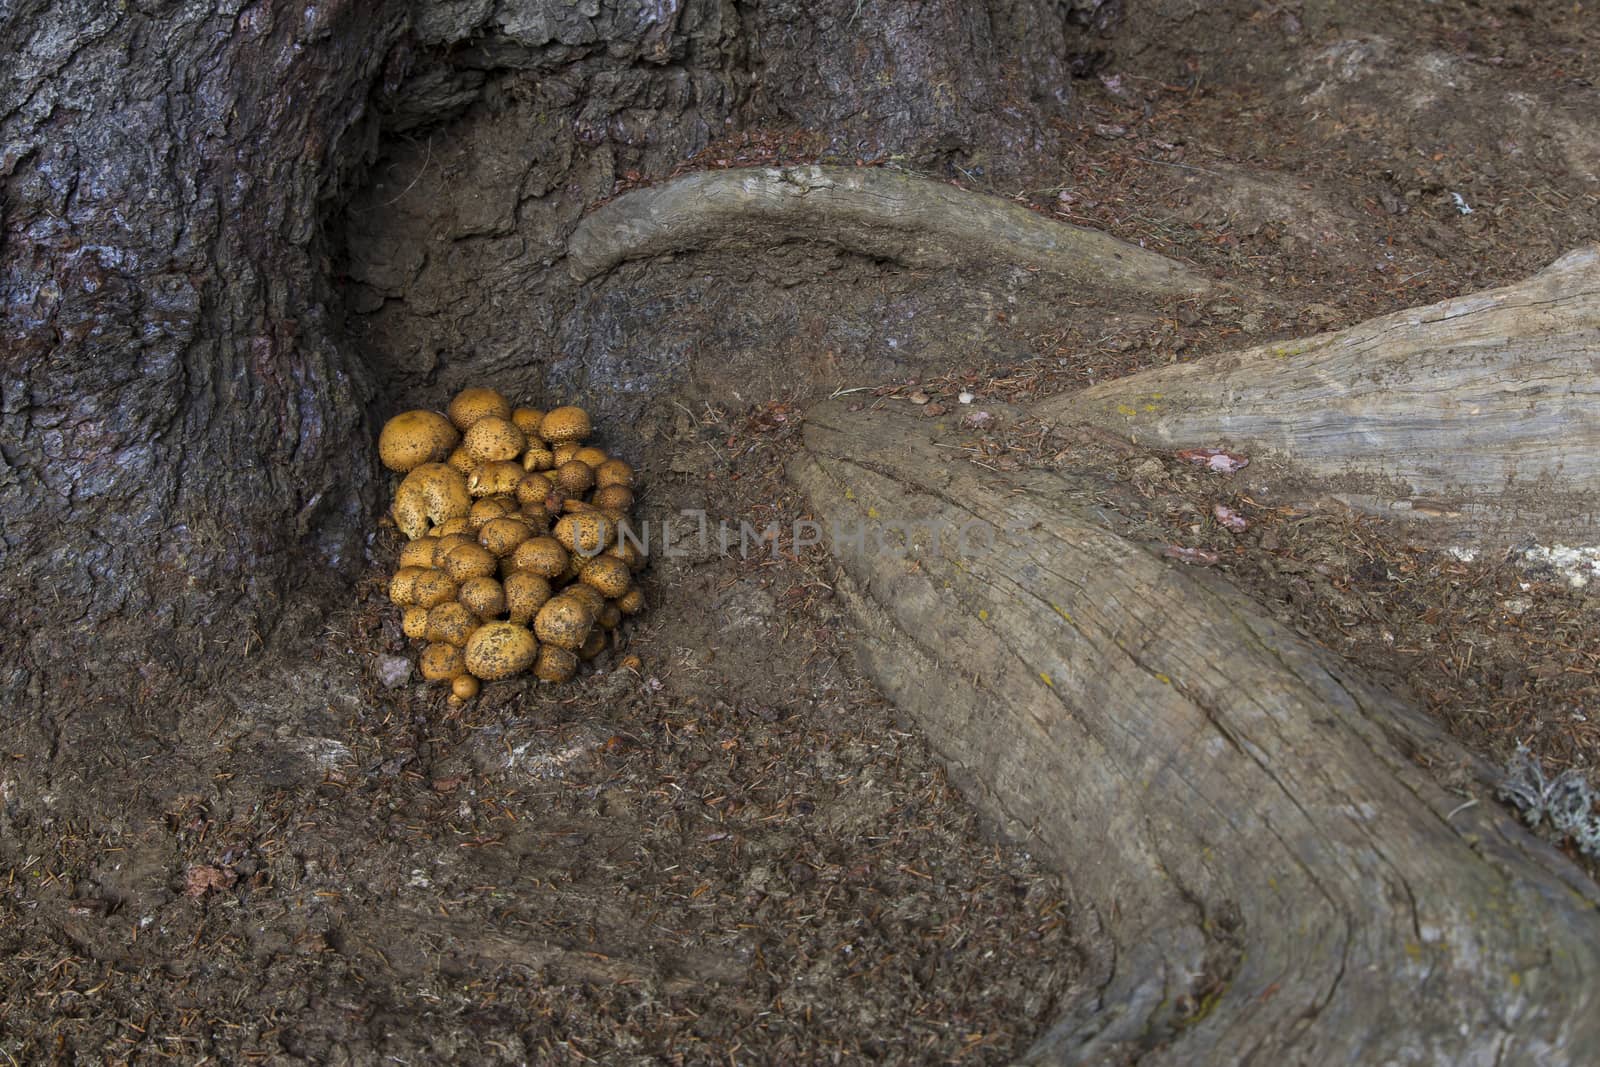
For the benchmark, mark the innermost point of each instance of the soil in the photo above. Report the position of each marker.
(735, 852)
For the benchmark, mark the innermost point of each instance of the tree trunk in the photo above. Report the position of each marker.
(1479, 413)
(1280, 880)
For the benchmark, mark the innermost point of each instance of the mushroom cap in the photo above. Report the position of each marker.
(564, 621)
(499, 650)
(588, 594)
(543, 556)
(418, 553)
(443, 546)
(483, 596)
(440, 662)
(629, 551)
(502, 536)
(453, 526)
(463, 687)
(486, 508)
(470, 405)
(564, 451)
(607, 574)
(525, 594)
(555, 664)
(433, 587)
(450, 623)
(631, 602)
(613, 498)
(462, 461)
(414, 623)
(433, 492)
(614, 472)
(492, 438)
(402, 587)
(494, 478)
(565, 424)
(538, 458)
(585, 533)
(575, 477)
(590, 455)
(470, 560)
(413, 438)
(528, 420)
(534, 489)
(609, 617)
(593, 645)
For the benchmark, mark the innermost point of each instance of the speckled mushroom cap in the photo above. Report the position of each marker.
(555, 664)
(492, 439)
(565, 424)
(499, 650)
(564, 622)
(413, 438)
(608, 574)
(470, 405)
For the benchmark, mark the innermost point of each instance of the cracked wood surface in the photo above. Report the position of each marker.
(1245, 817)
(1483, 410)
(877, 212)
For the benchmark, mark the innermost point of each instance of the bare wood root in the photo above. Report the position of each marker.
(1484, 409)
(873, 211)
(1279, 879)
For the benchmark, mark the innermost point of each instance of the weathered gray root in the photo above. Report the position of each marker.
(1279, 879)
(870, 210)
(1484, 410)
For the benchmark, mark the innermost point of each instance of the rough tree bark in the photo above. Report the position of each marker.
(1482, 412)
(1280, 880)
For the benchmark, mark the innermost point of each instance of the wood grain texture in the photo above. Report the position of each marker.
(1276, 878)
(1485, 407)
(874, 211)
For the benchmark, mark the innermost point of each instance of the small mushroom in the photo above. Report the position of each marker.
(441, 662)
(414, 623)
(586, 533)
(538, 458)
(608, 574)
(590, 456)
(502, 536)
(418, 553)
(486, 508)
(453, 526)
(443, 546)
(565, 451)
(614, 472)
(555, 664)
(492, 439)
(462, 461)
(609, 617)
(433, 492)
(483, 596)
(591, 597)
(470, 560)
(574, 477)
(525, 594)
(593, 645)
(499, 650)
(431, 588)
(495, 478)
(628, 549)
(631, 602)
(528, 420)
(613, 498)
(470, 405)
(543, 556)
(565, 424)
(534, 489)
(463, 687)
(450, 623)
(564, 622)
(413, 438)
(402, 587)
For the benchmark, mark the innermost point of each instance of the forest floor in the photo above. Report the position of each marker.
(737, 853)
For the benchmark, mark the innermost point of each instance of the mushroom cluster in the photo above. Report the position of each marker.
(515, 556)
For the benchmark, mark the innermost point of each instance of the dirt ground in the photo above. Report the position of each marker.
(738, 853)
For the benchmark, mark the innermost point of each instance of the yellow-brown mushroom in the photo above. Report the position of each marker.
(441, 662)
(564, 622)
(574, 477)
(450, 623)
(470, 405)
(499, 650)
(564, 424)
(413, 438)
(555, 664)
(607, 574)
(502, 536)
(492, 439)
(431, 493)
(525, 593)
(483, 596)
(543, 556)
